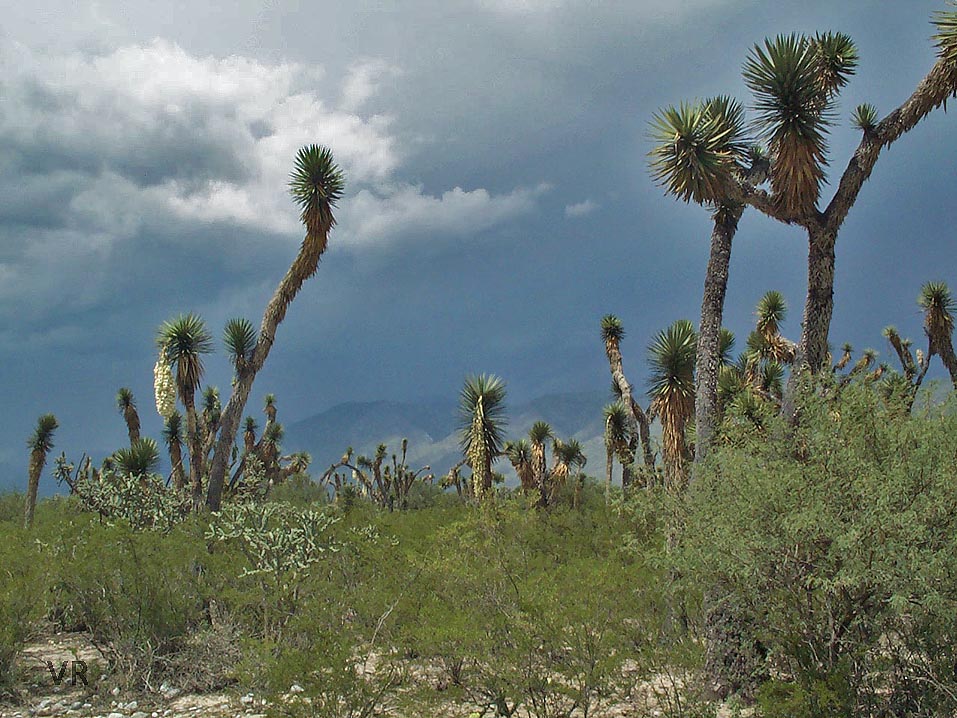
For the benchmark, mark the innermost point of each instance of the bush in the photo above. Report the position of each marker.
(140, 595)
(838, 541)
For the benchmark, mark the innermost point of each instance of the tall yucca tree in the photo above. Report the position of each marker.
(938, 305)
(482, 427)
(795, 81)
(40, 443)
(183, 341)
(519, 454)
(701, 150)
(126, 405)
(612, 332)
(316, 184)
(173, 438)
(538, 435)
(672, 392)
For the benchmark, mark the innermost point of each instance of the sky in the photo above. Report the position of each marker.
(498, 195)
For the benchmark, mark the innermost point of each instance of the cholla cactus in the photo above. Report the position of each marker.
(164, 387)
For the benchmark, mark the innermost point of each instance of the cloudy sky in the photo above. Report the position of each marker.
(498, 202)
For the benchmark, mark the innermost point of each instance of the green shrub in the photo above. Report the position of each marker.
(838, 540)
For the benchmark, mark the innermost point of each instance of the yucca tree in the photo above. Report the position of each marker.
(938, 305)
(902, 348)
(795, 80)
(40, 443)
(249, 434)
(568, 456)
(269, 448)
(182, 342)
(539, 433)
(612, 332)
(672, 391)
(139, 459)
(317, 184)
(126, 405)
(269, 408)
(519, 454)
(618, 443)
(212, 413)
(846, 354)
(701, 151)
(173, 438)
(481, 427)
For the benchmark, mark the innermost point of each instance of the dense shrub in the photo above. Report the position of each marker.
(837, 540)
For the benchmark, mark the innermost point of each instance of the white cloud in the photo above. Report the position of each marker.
(362, 82)
(371, 217)
(580, 209)
(152, 131)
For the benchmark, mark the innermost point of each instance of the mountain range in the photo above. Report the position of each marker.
(431, 428)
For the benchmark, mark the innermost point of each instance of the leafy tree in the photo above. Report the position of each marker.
(127, 407)
(481, 427)
(182, 342)
(317, 185)
(39, 443)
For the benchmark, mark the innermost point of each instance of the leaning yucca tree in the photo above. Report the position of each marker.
(612, 332)
(39, 443)
(126, 405)
(316, 184)
(672, 359)
(182, 342)
(795, 80)
(938, 305)
(481, 428)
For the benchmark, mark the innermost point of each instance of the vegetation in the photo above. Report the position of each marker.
(809, 569)
(704, 154)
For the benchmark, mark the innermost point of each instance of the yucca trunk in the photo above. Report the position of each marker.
(709, 331)
(613, 352)
(176, 459)
(132, 419)
(38, 460)
(540, 471)
(945, 349)
(526, 476)
(932, 92)
(194, 442)
(674, 449)
(609, 468)
(303, 267)
(819, 304)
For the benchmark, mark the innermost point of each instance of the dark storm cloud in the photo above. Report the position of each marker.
(499, 201)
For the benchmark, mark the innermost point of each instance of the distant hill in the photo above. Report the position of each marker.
(430, 427)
